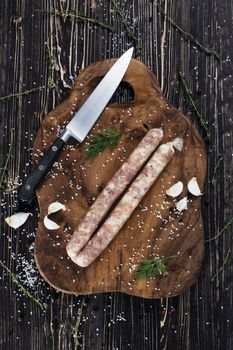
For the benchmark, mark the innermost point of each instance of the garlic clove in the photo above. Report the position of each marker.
(178, 143)
(175, 190)
(49, 224)
(193, 187)
(182, 204)
(55, 206)
(17, 219)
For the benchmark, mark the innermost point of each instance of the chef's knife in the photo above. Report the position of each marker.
(78, 127)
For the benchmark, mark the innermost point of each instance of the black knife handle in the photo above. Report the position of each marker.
(26, 192)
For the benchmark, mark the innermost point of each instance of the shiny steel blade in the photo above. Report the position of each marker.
(89, 112)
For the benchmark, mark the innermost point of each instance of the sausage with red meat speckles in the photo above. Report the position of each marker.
(128, 203)
(113, 190)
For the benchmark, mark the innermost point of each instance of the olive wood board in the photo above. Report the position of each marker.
(155, 228)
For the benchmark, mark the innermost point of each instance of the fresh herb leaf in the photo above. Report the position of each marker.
(17, 94)
(26, 292)
(214, 177)
(8, 157)
(100, 141)
(128, 27)
(51, 63)
(189, 36)
(82, 18)
(152, 267)
(222, 267)
(225, 227)
(75, 328)
(191, 104)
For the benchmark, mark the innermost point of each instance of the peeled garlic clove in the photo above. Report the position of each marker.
(194, 188)
(175, 190)
(17, 219)
(49, 224)
(182, 204)
(55, 206)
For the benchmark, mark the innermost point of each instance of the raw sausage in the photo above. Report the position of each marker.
(128, 203)
(113, 190)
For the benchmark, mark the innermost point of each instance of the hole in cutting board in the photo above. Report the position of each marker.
(123, 94)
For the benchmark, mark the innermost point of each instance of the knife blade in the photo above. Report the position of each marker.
(78, 127)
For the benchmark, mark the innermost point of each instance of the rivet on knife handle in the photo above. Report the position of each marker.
(26, 192)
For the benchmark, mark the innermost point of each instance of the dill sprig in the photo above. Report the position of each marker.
(82, 18)
(75, 328)
(128, 27)
(152, 267)
(21, 287)
(214, 177)
(190, 37)
(225, 227)
(8, 158)
(17, 94)
(100, 141)
(191, 104)
(222, 267)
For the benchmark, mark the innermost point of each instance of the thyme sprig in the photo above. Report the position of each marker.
(51, 63)
(152, 267)
(8, 158)
(128, 28)
(75, 328)
(188, 36)
(225, 227)
(18, 94)
(214, 177)
(21, 287)
(192, 105)
(82, 18)
(100, 141)
(222, 267)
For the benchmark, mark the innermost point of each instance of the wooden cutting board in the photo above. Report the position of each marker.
(154, 228)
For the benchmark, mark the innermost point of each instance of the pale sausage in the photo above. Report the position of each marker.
(113, 190)
(128, 203)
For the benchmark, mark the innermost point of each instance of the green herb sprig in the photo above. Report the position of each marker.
(152, 267)
(75, 328)
(18, 94)
(100, 141)
(188, 36)
(128, 28)
(191, 104)
(225, 227)
(214, 177)
(82, 18)
(26, 292)
(222, 267)
(51, 62)
(8, 158)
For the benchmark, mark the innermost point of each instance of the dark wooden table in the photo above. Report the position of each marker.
(43, 47)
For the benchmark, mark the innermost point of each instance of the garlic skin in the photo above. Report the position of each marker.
(17, 219)
(182, 204)
(175, 190)
(193, 187)
(55, 206)
(49, 224)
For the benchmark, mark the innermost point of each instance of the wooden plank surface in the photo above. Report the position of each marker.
(202, 317)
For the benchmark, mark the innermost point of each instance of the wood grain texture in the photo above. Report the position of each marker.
(199, 319)
(155, 227)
